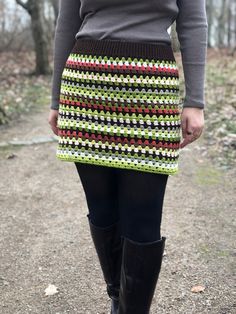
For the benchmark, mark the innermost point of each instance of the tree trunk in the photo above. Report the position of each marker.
(40, 36)
(221, 25)
(35, 8)
(174, 37)
(55, 6)
(210, 12)
(229, 30)
(234, 23)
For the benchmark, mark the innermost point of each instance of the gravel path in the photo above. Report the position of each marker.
(44, 235)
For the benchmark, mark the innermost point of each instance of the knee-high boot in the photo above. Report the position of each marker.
(140, 269)
(108, 244)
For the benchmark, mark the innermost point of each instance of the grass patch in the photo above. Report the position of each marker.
(207, 175)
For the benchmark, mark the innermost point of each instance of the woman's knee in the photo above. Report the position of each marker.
(103, 211)
(144, 228)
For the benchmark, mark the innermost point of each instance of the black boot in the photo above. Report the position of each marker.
(140, 269)
(108, 245)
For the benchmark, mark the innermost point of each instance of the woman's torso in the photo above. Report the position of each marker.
(137, 20)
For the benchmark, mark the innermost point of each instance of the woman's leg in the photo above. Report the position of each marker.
(100, 187)
(141, 197)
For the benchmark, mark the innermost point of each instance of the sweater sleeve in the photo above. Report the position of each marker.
(67, 26)
(191, 27)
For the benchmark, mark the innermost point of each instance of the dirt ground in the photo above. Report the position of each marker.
(44, 235)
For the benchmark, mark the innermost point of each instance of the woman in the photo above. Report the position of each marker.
(116, 109)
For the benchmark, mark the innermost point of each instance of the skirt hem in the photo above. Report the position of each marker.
(116, 165)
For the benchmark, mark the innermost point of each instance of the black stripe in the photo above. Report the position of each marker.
(118, 123)
(113, 150)
(122, 103)
(71, 82)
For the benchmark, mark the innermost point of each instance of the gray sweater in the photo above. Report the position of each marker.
(137, 20)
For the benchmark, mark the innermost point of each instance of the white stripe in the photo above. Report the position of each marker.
(81, 75)
(114, 159)
(154, 151)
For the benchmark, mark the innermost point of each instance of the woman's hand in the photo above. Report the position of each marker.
(52, 120)
(192, 123)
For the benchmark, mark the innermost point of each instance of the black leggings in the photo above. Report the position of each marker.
(134, 198)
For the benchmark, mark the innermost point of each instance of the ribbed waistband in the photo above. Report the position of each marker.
(121, 48)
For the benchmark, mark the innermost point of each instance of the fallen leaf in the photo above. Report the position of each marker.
(11, 156)
(51, 290)
(197, 289)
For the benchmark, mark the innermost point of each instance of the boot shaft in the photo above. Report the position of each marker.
(141, 264)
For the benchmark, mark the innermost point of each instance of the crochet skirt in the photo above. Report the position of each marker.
(119, 106)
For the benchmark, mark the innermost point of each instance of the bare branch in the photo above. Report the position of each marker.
(24, 5)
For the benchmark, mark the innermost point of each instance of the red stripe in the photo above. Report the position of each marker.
(119, 108)
(141, 69)
(112, 139)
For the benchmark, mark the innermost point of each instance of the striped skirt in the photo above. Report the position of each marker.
(119, 106)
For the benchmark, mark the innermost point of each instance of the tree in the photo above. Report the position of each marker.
(210, 17)
(35, 9)
(55, 6)
(174, 38)
(222, 24)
